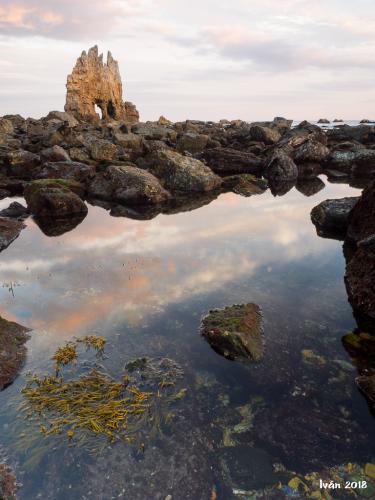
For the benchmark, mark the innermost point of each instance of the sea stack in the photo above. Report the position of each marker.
(93, 82)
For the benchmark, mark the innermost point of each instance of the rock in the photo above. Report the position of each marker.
(361, 219)
(323, 120)
(79, 154)
(331, 217)
(6, 126)
(17, 121)
(128, 185)
(153, 131)
(55, 153)
(235, 331)
(231, 161)
(12, 351)
(103, 150)
(366, 120)
(245, 184)
(367, 385)
(310, 186)
(181, 173)
(281, 167)
(53, 198)
(94, 83)
(360, 278)
(311, 151)
(8, 483)
(337, 120)
(15, 211)
(56, 226)
(22, 164)
(62, 116)
(364, 134)
(163, 121)
(264, 134)
(280, 187)
(360, 162)
(68, 170)
(128, 140)
(192, 143)
(9, 231)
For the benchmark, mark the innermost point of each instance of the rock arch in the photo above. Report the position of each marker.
(93, 82)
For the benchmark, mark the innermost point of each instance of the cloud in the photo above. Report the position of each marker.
(67, 20)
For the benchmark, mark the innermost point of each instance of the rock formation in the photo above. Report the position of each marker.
(93, 82)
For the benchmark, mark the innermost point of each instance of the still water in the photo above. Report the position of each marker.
(145, 286)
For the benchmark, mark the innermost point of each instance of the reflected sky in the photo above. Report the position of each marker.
(122, 270)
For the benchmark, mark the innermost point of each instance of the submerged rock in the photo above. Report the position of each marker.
(235, 331)
(310, 186)
(331, 217)
(56, 226)
(53, 198)
(12, 350)
(9, 231)
(245, 184)
(8, 483)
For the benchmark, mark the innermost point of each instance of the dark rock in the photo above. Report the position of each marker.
(181, 173)
(245, 184)
(364, 134)
(53, 198)
(231, 161)
(324, 120)
(336, 120)
(9, 231)
(331, 217)
(360, 278)
(63, 116)
(280, 187)
(366, 120)
(68, 170)
(281, 167)
(128, 185)
(56, 226)
(362, 218)
(310, 186)
(367, 385)
(235, 331)
(54, 154)
(103, 150)
(12, 351)
(311, 151)
(264, 134)
(8, 483)
(79, 154)
(15, 211)
(153, 131)
(22, 164)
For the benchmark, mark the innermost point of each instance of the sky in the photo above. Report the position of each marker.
(202, 59)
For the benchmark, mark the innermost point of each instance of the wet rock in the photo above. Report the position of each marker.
(235, 331)
(264, 134)
(68, 170)
(361, 219)
(56, 226)
(367, 385)
(360, 278)
(245, 184)
(310, 186)
(53, 198)
(181, 173)
(54, 154)
(331, 217)
(281, 167)
(360, 162)
(15, 211)
(311, 151)
(232, 161)
(12, 350)
(280, 187)
(8, 483)
(364, 134)
(9, 231)
(22, 164)
(128, 185)
(192, 143)
(93, 82)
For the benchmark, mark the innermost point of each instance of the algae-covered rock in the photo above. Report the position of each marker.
(235, 331)
(12, 351)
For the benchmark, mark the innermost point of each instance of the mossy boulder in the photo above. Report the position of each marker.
(12, 350)
(235, 331)
(54, 198)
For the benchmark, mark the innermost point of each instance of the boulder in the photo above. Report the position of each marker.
(69, 170)
(192, 143)
(15, 211)
(56, 226)
(231, 161)
(323, 121)
(244, 184)
(6, 126)
(128, 185)
(264, 134)
(310, 186)
(22, 164)
(364, 134)
(9, 231)
(360, 162)
(235, 331)
(311, 151)
(153, 131)
(102, 150)
(281, 167)
(331, 217)
(361, 223)
(55, 153)
(62, 116)
(53, 198)
(12, 351)
(181, 173)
